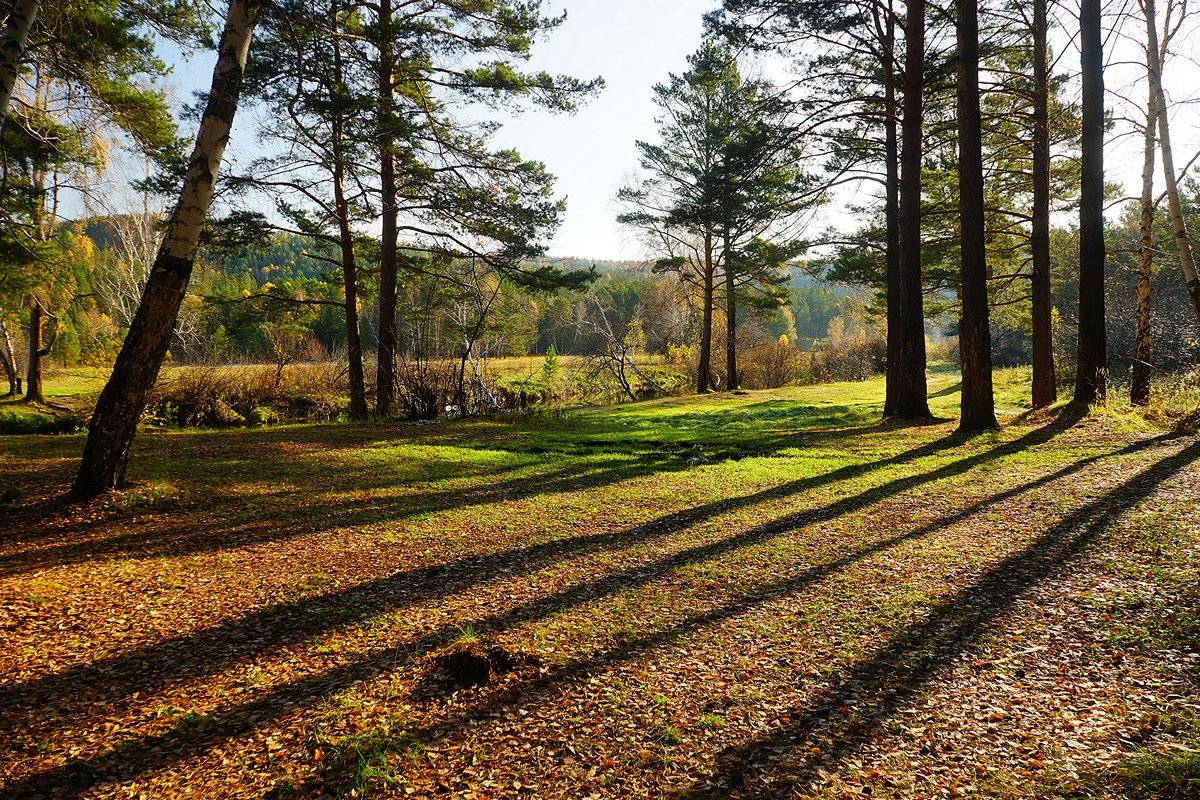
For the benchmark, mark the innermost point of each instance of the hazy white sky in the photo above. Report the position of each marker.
(632, 44)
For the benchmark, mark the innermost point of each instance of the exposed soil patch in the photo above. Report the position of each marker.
(469, 665)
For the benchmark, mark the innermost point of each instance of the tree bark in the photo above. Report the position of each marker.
(1155, 55)
(1093, 347)
(385, 369)
(33, 373)
(11, 366)
(8, 363)
(705, 366)
(891, 215)
(13, 39)
(358, 392)
(1045, 382)
(912, 387)
(974, 334)
(1139, 384)
(114, 422)
(731, 380)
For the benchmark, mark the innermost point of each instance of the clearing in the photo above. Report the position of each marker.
(766, 594)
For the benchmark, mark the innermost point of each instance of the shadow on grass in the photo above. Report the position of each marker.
(162, 664)
(40, 706)
(949, 390)
(288, 513)
(873, 690)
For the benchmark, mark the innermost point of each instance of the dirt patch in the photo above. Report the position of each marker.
(470, 665)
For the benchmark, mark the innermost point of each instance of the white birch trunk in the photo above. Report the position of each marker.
(12, 47)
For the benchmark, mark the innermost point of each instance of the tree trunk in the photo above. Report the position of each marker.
(891, 215)
(33, 374)
(1155, 57)
(8, 361)
(974, 333)
(1139, 384)
(13, 369)
(12, 47)
(1093, 347)
(702, 372)
(385, 370)
(358, 391)
(912, 388)
(114, 422)
(731, 380)
(1045, 382)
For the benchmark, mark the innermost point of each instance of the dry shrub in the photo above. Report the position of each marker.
(425, 388)
(851, 359)
(226, 396)
(315, 391)
(943, 350)
(772, 363)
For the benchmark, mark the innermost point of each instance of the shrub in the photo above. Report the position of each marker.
(851, 359)
(217, 396)
(425, 388)
(771, 364)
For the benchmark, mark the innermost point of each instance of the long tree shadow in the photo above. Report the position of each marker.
(286, 624)
(542, 687)
(289, 516)
(212, 649)
(249, 716)
(875, 689)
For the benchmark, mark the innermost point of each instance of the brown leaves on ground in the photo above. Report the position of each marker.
(468, 611)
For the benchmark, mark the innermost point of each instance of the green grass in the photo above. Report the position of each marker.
(1172, 775)
(17, 417)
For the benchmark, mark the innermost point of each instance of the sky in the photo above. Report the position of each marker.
(634, 44)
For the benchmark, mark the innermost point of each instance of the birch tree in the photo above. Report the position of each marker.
(1156, 53)
(13, 40)
(114, 422)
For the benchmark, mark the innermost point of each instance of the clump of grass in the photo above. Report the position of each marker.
(375, 758)
(1168, 775)
(669, 736)
(467, 634)
(149, 497)
(191, 719)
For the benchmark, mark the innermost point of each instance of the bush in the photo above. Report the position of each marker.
(221, 397)
(425, 388)
(771, 364)
(851, 359)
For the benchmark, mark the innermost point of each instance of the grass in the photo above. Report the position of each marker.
(17, 417)
(1171, 775)
(718, 596)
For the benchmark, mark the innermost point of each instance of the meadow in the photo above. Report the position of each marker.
(754, 594)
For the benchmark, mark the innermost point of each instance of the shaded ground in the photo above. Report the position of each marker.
(766, 595)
